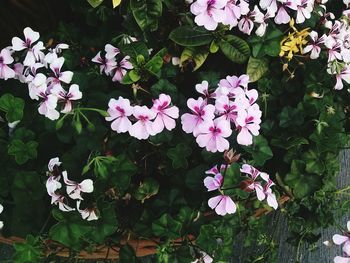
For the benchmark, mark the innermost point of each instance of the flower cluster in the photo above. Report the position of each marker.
(112, 64)
(342, 240)
(209, 13)
(223, 204)
(41, 72)
(335, 42)
(148, 121)
(212, 114)
(74, 190)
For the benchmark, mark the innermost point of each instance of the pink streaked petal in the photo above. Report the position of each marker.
(244, 137)
(66, 76)
(214, 201)
(87, 186)
(339, 239)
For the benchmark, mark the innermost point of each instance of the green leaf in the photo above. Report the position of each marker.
(28, 252)
(268, 44)
(205, 239)
(27, 187)
(291, 117)
(154, 65)
(127, 254)
(260, 150)
(191, 36)
(233, 176)
(235, 49)
(146, 13)
(134, 76)
(95, 3)
(135, 49)
(23, 151)
(166, 226)
(256, 68)
(164, 86)
(179, 155)
(147, 189)
(196, 55)
(12, 106)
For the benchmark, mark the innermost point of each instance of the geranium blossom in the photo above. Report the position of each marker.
(75, 189)
(165, 114)
(343, 240)
(120, 69)
(212, 135)
(315, 46)
(58, 75)
(33, 51)
(106, 65)
(248, 121)
(253, 184)
(1, 222)
(222, 204)
(5, 59)
(213, 183)
(88, 214)
(209, 13)
(67, 97)
(48, 106)
(119, 111)
(201, 113)
(143, 128)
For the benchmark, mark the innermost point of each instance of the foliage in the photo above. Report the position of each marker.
(154, 188)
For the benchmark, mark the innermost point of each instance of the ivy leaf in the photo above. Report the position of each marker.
(291, 117)
(12, 106)
(191, 36)
(135, 49)
(179, 155)
(256, 68)
(260, 150)
(147, 189)
(95, 3)
(166, 226)
(235, 49)
(154, 65)
(196, 55)
(28, 252)
(23, 151)
(205, 239)
(164, 86)
(268, 44)
(127, 254)
(146, 13)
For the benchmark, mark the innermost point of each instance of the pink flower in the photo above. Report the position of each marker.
(201, 112)
(165, 114)
(343, 75)
(233, 82)
(48, 106)
(212, 135)
(213, 183)
(226, 109)
(260, 31)
(121, 69)
(248, 123)
(53, 163)
(343, 240)
(314, 47)
(333, 49)
(233, 11)
(203, 88)
(304, 11)
(33, 51)
(252, 184)
(37, 85)
(270, 5)
(282, 16)
(208, 13)
(222, 204)
(111, 51)
(339, 259)
(88, 214)
(58, 76)
(73, 94)
(75, 189)
(119, 111)
(106, 65)
(5, 59)
(143, 128)
(61, 201)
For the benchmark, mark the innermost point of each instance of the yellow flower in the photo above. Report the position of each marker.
(116, 3)
(294, 42)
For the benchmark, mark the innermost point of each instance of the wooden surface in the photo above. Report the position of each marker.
(318, 254)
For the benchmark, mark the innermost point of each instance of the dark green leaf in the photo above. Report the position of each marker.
(191, 36)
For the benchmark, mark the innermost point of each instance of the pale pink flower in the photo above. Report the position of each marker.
(339, 259)
(5, 59)
(213, 183)
(67, 97)
(222, 204)
(282, 16)
(143, 128)
(58, 75)
(209, 13)
(1, 222)
(75, 189)
(343, 75)
(270, 196)
(333, 49)
(233, 82)
(88, 214)
(19, 71)
(304, 10)
(37, 86)
(270, 5)
(260, 31)
(203, 88)
(166, 114)
(121, 69)
(33, 51)
(61, 201)
(201, 112)
(248, 123)
(343, 240)
(253, 184)
(48, 106)
(233, 11)
(53, 163)
(53, 184)
(226, 109)
(204, 258)
(119, 111)
(212, 135)
(315, 45)
(106, 65)
(111, 51)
